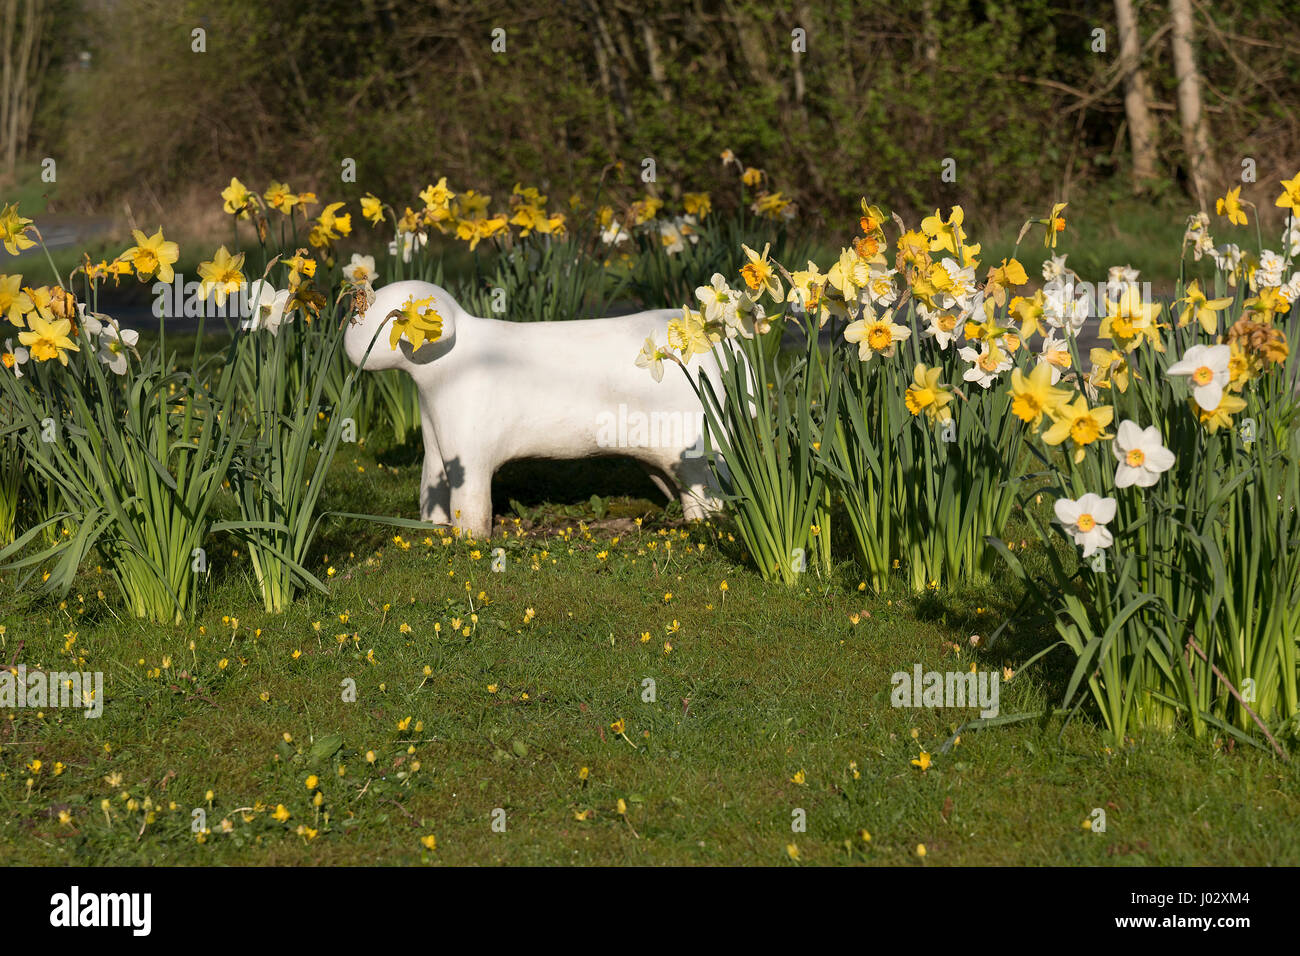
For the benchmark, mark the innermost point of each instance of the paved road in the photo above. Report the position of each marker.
(62, 232)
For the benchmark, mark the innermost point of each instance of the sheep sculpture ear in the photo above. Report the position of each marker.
(368, 340)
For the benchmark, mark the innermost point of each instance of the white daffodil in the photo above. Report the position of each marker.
(1291, 240)
(361, 270)
(1054, 268)
(1227, 257)
(91, 321)
(880, 289)
(1064, 308)
(1121, 275)
(986, 364)
(1056, 353)
(613, 234)
(875, 336)
(266, 308)
(651, 357)
(807, 294)
(718, 300)
(749, 317)
(1207, 366)
(1290, 290)
(1197, 225)
(1268, 274)
(14, 358)
(114, 343)
(941, 325)
(850, 275)
(410, 243)
(1141, 454)
(958, 290)
(688, 228)
(1086, 521)
(261, 294)
(671, 238)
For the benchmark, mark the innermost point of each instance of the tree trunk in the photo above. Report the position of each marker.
(1195, 137)
(23, 61)
(1136, 97)
(655, 61)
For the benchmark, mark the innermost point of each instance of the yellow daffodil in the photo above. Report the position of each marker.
(1202, 309)
(850, 275)
(1109, 367)
(1230, 206)
(13, 231)
(1033, 394)
(1242, 366)
(873, 220)
(409, 222)
(475, 231)
(927, 396)
(1221, 415)
(48, 340)
(1290, 198)
(300, 267)
(1079, 423)
(989, 330)
(1268, 303)
(529, 219)
(1055, 224)
(806, 288)
(334, 224)
(773, 206)
(1029, 312)
(438, 196)
(236, 200)
(697, 204)
(1129, 320)
(41, 299)
(279, 197)
(688, 336)
(222, 274)
(14, 302)
(946, 235)
(372, 209)
(152, 255)
(1000, 278)
(913, 252)
(417, 321)
(472, 205)
(759, 274)
(643, 210)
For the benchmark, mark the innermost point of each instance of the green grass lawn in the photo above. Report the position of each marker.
(481, 690)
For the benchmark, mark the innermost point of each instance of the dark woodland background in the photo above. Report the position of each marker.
(1013, 92)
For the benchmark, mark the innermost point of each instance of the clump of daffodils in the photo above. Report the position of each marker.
(920, 302)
